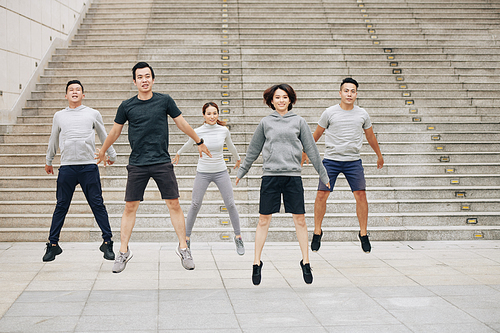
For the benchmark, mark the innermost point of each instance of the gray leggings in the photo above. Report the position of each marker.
(223, 182)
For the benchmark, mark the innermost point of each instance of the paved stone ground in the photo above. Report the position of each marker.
(449, 286)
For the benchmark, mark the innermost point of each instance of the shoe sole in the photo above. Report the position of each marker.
(126, 261)
(182, 263)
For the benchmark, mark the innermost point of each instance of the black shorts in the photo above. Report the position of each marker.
(271, 189)
(138, 178)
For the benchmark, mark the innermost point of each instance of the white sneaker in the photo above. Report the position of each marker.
(240, 248)
(186, 258)
(122, 260)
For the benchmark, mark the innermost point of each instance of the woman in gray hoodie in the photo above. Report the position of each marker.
(282, 136)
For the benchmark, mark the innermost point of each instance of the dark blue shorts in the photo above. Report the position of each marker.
(352, 170)
(271, 189)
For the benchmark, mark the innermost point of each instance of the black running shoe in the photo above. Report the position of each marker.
(256, 276)
(316, 242)
(51, 252)
(365, 243)
(107, 248)
(306, 272)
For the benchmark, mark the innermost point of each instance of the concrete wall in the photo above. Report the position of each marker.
(27, 29)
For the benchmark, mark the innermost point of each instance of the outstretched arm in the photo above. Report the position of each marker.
(372, 141)
(185, 147)
(183, 125)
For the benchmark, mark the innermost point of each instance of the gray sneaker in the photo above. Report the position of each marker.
(122, 260)
(240, 248)
(186, 258)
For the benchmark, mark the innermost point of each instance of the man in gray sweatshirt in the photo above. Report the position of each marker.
(73, 130)
(281, 137)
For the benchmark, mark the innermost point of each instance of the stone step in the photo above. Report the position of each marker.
(216, 207)
(302, 94)
(167, 234)
(330, 87)
(289, 64)
(308, 180)
(123, 147)
(404, 112)
(395, 101)
(252, 193)
(246, 136)
(151, 221)
(393, 169)
(240, 125)
(237, 57)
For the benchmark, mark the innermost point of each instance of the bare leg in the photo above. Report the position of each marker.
(362, 211)
(320, 210)
(261, 235)
(128, 222)
(177, 219)
(301, 230)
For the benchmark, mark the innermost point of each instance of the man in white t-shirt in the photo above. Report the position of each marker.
(343, 125)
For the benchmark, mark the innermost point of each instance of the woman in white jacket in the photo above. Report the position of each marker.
(214, 133)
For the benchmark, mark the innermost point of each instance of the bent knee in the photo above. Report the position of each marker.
(173, 204)
(360, 195)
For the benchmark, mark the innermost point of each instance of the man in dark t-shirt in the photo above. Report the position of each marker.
(147, 115)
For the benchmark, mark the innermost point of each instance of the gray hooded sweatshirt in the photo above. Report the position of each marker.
(73, 130)
(281, 139)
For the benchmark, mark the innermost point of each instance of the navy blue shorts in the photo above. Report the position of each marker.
(271, 189)
(352, 170)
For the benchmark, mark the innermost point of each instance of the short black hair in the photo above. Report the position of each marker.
(269, 94)
(349, 80)
(142, 64)
(74, 82)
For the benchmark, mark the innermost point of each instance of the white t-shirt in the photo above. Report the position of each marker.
(214, 137)
(344, 132)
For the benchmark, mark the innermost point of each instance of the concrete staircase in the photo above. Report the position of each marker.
(428, 74)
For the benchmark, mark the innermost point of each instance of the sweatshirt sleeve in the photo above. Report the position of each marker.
(312, 151)
(230, 145)
(53, 141)
(101, 132)
(254, 149)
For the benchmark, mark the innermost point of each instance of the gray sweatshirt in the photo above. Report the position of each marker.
(281, 139)
(73, 130)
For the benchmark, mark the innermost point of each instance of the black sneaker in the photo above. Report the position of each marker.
(51, 252)
(365, 243)
(306, 272)
(107, 248)
(316, 242)
(256, 276)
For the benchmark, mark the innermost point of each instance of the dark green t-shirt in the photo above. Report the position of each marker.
(148, 127)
